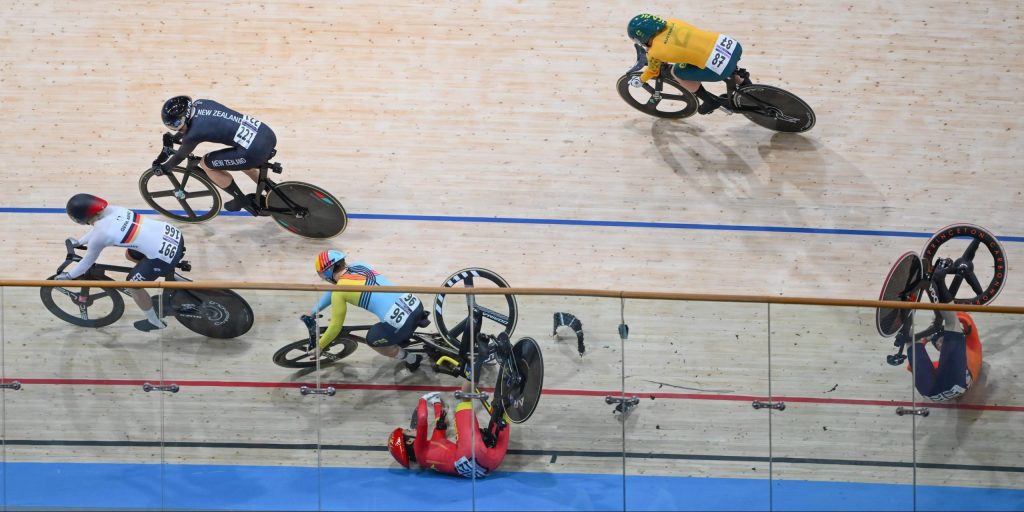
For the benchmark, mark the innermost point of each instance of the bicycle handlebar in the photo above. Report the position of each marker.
(169, 142)
(71, 257)
(641, 59)
(310, 322)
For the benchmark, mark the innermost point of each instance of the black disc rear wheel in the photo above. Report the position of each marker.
(182, 196)
(294, 355)
(777, 109)
(521, 396)
(214, 313)
(85, 307)
(675, 102)
(325, 217)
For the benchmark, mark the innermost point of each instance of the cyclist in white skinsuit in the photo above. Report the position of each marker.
(155, 246)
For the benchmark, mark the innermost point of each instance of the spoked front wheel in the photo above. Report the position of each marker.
(214, 313)
(774, 108)
(498, 313)
(294, 354)
(85, 307)
(323, 216)
(521, 380)
(971, 282)
(666, 98)
(181, 195)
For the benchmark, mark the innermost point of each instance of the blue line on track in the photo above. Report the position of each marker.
(591, 223)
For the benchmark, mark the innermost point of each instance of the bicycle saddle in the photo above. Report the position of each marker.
(424, 320)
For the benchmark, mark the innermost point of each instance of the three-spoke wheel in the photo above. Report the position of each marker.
(666, 98)
(85, 307)
(298, 355)
(960, 242)
(499, 312)
(181, 195)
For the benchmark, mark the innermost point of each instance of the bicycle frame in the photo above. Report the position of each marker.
(906, 334)
(732, 91)
(263, 185)
(763, 108)
(445, 363)
(99, 272)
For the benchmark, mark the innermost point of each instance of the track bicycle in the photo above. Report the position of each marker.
(301, 208)
(520, 365)
(910, 278)
(767, 106)
(212, 313)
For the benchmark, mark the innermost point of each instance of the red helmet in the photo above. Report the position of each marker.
(83, 207)
(398, 448)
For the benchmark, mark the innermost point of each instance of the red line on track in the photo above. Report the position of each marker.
(549, 392)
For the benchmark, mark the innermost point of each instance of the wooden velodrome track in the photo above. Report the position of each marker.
(508, 110)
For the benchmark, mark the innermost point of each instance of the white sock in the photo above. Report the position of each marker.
(406, 356)
(153, 319)
(950, 321)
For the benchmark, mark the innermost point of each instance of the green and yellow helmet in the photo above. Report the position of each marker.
(643, 27)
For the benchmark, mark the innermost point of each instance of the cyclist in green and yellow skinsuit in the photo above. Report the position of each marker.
(698, 56)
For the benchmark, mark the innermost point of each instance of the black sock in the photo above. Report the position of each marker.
(234, 190)
(706, 96)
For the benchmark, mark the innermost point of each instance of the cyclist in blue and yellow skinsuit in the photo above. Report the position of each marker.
(399, 313)
(698, 55)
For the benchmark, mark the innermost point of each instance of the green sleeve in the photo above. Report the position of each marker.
(338, 309)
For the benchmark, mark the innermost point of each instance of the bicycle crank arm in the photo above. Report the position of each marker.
(298, 213)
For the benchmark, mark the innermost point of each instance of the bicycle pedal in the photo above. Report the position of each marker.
(444, 367)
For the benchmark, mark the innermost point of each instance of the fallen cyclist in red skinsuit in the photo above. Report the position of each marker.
(439, 453)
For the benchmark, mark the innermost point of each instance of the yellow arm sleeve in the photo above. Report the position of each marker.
(338, 309)
(652, 70)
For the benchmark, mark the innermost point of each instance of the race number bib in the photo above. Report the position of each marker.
(949, 394)
(469, 468)
(401, 310)
(721, 54)
(247, 131)
(169, 243)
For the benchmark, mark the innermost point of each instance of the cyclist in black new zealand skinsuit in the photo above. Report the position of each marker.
(252, 143)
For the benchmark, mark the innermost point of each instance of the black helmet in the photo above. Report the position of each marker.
(83, 207)
(176, 112)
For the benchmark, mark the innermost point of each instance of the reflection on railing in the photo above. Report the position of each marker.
(721, 391)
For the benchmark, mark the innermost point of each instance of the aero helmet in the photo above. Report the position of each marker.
(397, 447)
(83, 207)
(325, 263)
(643, 27)
(176, 112)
